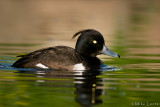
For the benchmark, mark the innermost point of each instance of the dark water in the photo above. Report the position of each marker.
(135, 81)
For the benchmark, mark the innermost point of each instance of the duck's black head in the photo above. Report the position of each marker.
(91, 43)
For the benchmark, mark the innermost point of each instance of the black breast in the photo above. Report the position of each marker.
(92, 63)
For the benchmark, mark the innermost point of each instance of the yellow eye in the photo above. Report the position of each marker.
(94, 41)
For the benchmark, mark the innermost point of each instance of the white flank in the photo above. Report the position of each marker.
(78, 67)
(40, 81)
(41, 66)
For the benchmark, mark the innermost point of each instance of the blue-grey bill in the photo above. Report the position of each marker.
(108, 52)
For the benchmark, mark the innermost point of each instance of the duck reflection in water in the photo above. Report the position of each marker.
(87, 91)
(87, 86)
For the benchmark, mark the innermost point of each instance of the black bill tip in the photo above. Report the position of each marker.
(118, 56)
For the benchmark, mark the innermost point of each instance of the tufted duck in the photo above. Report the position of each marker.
(90, 43)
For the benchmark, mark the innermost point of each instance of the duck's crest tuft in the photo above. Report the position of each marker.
(82, 31)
